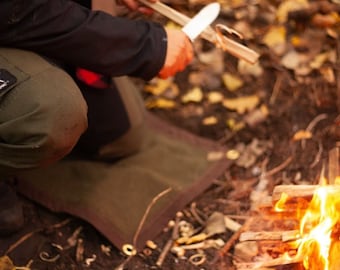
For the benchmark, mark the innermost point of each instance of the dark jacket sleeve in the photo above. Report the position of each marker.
(72, 34)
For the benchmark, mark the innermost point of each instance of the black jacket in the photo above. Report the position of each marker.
(72, 34)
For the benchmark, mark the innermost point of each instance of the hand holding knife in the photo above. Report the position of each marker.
(200, 25)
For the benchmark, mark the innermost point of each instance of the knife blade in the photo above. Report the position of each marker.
(201, 20)
(231, 46)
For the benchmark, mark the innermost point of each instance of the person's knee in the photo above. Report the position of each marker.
(42, 116)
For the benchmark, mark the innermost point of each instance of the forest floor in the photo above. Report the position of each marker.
(279, 118)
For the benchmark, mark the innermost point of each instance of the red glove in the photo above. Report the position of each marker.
(179, 53)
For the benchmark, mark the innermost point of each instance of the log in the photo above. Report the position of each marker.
(299, 191)
(294, 191)
(283, 236)
(284, 260)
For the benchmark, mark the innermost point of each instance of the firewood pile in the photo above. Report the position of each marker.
(282, 231)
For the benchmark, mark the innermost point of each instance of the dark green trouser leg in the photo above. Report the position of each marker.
(41, 116)
(44, 115)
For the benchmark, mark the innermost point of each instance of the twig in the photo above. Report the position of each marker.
(317, 156)
(170, 242)
(140, 226)
(279, 167)
(311, 126)
(27, 236)
(193, 211)
(234, 237)
(276, 89)
(148, 209)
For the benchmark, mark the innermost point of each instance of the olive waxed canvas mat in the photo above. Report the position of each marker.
(114, 197)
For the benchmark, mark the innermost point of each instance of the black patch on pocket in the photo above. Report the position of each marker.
(6, 79)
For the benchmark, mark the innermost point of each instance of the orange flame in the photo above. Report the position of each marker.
(280, 204)
(317, 225)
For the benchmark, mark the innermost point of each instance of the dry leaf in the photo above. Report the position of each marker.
(211, 120)
(205, 78)
(214, 59)
(325, 20)
(232, 82)
(166, 88)
(215, 224)
(319, 60)
(242, 104)
(234, 126)
(302, 135)
(244, 28)
(328, 74)
(160, 103)
(157, 87)
(6, 263)
(257, 116)
(275, 36)
(215, 97)
(291, 60)
(194, 95)
(246, 68)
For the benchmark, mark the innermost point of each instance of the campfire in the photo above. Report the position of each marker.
(299, 227)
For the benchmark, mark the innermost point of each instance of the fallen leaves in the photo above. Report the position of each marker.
(241, 104)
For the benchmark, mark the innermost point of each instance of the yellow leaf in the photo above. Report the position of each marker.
(242, 104)
(231, 81)
(234, 126)
(211, 120)
(302, 135)
(318, 60)
(215, 97)
(160, 103)
(194, 95)
(275, 36)
(193, 239)
(158, 87)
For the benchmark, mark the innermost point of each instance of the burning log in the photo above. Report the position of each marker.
(294, 191)
(313, 242)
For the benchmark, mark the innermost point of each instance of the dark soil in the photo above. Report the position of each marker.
(299, 101)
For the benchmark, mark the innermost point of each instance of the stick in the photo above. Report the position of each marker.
(283, 236)
(284, 260)
(236, 49)
(333, 165)
(234, 238)
(148, 209)
(170, 242)
(294, 191)
(27, 236)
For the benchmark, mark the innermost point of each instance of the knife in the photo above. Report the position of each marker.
(209, 34)
(201, 20)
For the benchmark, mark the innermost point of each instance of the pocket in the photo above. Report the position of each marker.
(10, 75)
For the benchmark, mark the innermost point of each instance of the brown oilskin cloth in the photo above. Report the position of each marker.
(114, 197)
